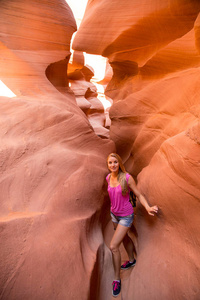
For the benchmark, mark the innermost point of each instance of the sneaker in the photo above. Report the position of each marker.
(116, 288)
(128, 264)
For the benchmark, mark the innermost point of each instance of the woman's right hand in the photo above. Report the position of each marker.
(152, 210)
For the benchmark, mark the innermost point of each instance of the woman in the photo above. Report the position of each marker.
(119, 185)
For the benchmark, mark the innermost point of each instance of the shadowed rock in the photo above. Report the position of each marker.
(51, 184)
(154, 124)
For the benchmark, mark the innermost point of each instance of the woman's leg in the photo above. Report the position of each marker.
(129, 246)
(117, 239)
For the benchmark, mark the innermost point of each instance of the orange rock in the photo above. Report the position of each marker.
(154, 51)
(52, 212)
(52, 164)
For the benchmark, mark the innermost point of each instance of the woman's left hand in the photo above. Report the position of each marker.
(152, 210)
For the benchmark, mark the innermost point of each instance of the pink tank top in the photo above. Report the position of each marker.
(120, 205)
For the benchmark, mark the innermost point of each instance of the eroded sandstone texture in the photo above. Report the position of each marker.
(154, 50)
(79, 76)
(52, 164)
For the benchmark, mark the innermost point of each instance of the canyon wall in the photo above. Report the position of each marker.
(52, 164)
(154, 50)
(54, 219)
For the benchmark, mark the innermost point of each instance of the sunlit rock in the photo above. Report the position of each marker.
(153, 48)
(52, 164)
(87, 98)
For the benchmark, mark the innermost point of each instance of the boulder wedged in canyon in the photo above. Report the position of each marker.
(154, 51)
(52, 164)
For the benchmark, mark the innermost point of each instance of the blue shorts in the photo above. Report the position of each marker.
(124, 221)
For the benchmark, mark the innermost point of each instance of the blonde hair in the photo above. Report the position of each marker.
(122, 173)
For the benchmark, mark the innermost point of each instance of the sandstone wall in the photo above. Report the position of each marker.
(86, 94)
(52, 164)
(153, 48)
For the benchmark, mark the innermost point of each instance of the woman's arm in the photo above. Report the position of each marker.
(150, 209)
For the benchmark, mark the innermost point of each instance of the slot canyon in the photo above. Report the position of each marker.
(55, 224)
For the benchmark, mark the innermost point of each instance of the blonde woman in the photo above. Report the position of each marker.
(119, 185)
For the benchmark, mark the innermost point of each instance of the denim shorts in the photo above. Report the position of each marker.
(124, 221)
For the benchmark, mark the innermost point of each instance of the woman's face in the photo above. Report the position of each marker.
(113, 164)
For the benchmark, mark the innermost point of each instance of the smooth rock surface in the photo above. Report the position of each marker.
(54, 212)
(153, 47)
(52, 164)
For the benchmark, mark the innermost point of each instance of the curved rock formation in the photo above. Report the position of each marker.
(52, 164)
(154, 51)
(86, 97)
